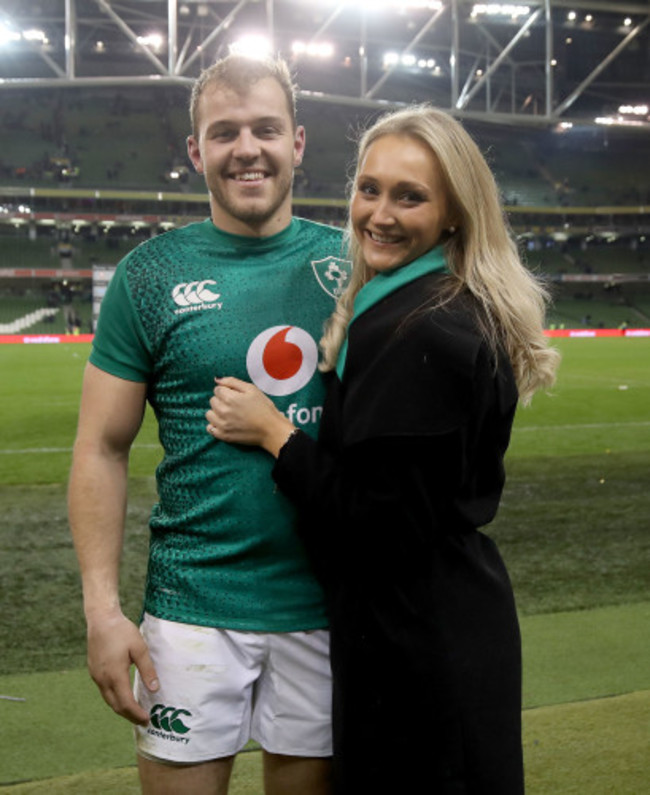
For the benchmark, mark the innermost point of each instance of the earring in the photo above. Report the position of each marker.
(451, 230)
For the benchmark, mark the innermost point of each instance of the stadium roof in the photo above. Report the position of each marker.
(545, 62)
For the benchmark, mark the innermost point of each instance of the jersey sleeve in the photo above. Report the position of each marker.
(120, 346)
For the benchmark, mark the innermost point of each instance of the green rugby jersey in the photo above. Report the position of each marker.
(182, 308)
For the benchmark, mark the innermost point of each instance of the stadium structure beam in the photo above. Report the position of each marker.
(363, 50)
(616, 6)
(491, 40)
(454, 55)
(54, 66)
(548, 65)
(223, 25)
(180, 67)
(172, 35)
(270, 19)
(70, 38)
(518, 119)
(463, 100)
(181, 56)
(121, 24)
(408, 49)
(559, 110)
(470, 76)
(330, 19)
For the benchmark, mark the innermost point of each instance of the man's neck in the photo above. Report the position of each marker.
(267, 228)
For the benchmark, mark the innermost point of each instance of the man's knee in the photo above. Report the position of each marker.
(206, 778)
(296, 775)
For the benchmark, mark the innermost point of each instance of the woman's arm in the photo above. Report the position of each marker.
(368, 481)
(397, 482)
(384, 491)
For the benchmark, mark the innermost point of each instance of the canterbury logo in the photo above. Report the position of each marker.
(169, 719)
(195, 293)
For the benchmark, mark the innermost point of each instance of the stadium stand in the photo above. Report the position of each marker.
(94, 138)
(130, 140)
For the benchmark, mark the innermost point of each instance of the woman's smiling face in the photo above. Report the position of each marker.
(400, 205)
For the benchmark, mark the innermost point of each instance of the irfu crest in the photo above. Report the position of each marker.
(333, 274)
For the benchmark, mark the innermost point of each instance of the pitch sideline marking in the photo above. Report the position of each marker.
(584, 426)
(41, 450)
(526, 428)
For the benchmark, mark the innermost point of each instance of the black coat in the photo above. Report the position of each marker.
(425, 640)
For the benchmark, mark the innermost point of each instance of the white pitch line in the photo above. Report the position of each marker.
(524, 429)
(584, 426)
(41, 450)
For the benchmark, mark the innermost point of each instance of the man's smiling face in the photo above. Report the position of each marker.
(247, 148)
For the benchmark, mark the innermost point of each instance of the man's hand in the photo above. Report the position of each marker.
(114, 644)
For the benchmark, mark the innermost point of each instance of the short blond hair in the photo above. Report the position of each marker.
(239, 73)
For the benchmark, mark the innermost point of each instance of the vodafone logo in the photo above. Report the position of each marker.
(194, 293)
(282, 360)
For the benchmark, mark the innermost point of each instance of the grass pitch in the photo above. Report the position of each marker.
(572, 528)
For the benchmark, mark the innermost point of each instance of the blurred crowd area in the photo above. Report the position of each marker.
(133, 139)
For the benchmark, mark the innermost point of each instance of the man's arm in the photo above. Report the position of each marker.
(109, 419)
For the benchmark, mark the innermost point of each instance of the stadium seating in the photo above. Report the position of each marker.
(133, 139)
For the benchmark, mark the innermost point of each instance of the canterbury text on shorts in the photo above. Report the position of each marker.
(219, 688)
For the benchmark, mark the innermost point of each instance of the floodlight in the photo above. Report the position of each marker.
(500, 9)
(400, 5)
(35, 35)
(153, 40)
(634, 110)
(7, 35)
(620, 121)
(252, 46)
(313, 49)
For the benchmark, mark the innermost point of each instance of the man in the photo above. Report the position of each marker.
(233, 644)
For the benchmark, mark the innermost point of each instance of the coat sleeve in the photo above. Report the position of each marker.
(388, 497)
(376, 501)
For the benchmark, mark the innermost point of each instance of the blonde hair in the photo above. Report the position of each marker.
(239, 73)
(481, 254)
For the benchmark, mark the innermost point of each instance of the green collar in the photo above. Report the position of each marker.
(385, 283)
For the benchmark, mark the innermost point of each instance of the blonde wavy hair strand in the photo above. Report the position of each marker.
(481, 254)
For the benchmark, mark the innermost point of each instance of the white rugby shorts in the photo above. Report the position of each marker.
(220, 688)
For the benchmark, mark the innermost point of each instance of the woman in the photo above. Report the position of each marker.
(437, 337)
